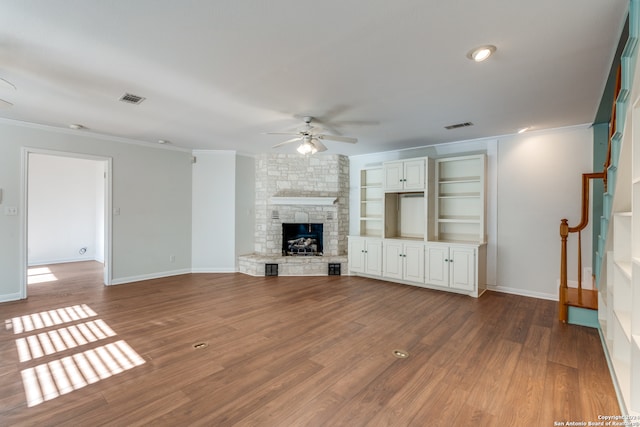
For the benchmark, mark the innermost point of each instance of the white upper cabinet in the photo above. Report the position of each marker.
(405, 175)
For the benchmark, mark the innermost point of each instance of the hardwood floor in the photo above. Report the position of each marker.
(284, 351)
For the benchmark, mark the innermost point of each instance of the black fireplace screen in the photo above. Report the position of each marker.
(301, 239)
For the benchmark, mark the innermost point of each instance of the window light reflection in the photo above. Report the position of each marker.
(57, 340)
(40, 275)
(45, 319)
(54, 378)
(50, 380)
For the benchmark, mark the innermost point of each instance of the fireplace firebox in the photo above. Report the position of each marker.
(301, 239)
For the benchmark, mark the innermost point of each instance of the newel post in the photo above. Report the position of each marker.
(562, 308)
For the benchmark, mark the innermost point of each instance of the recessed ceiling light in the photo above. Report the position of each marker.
(481, 53)
(6, 84)
(523, 130)
(76, 126)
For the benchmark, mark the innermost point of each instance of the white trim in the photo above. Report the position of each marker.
(11, 297)
(488, 138)
(88, 132)
(612, 372)
(108, 220)
(213, 270)
(60, 261)
(139, 278)
(522, 292)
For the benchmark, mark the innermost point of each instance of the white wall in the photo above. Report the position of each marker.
(63, 204)
(245, 205)
(533, 180)
(151, 187)
(539, 183)
(213, 197)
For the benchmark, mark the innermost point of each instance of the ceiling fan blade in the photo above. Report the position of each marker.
(319, 145)
(337, 138)
(289, 141)
(281, 133)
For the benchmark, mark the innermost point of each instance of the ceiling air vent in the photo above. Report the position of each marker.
(131, 98)
(459, 125)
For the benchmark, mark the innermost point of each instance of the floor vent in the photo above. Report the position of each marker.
(400, 354)
(271, 269)
(334, 269)
(131, 98)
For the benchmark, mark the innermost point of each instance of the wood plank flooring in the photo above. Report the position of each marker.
(284, 351)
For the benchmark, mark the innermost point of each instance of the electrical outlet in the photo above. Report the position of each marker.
(172, 258)
(11, 210)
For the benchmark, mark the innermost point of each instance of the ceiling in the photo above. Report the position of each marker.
(220, 74)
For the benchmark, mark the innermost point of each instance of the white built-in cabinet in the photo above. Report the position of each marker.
(456, 266)
(427, 217)
(365, 255)
(404, 175)
(403, 260)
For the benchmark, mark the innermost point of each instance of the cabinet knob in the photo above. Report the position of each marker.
(446, 260)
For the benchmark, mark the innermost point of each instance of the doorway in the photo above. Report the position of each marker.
(66, 213)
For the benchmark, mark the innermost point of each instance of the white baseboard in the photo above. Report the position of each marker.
(214, 270)
(159, 275)
(10, 297)
(59, 261)
(523, 292)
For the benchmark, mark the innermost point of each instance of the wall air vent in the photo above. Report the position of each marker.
(131, 98)
(459, 125)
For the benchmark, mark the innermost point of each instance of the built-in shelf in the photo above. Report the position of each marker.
(371, 202)
(459, 200)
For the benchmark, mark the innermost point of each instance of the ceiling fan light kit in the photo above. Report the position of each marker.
(307, 148)
(310, 138)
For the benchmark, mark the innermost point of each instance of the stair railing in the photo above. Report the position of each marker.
(565, 229)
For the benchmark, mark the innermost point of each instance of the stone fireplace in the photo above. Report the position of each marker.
(296, 189)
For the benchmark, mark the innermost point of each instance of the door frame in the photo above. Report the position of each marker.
(24, 211)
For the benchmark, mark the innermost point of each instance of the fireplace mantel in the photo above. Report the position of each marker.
(303, 200)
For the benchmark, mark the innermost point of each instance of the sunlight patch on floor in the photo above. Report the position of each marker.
(40, 275)
(57, 377)
(45, 319)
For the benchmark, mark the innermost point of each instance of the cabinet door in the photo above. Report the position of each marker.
(373, 257)
(356, 255)
(392, 259)
(437, 265)
(414, 175)
(462, 262)
(393, 175)
(414, 262)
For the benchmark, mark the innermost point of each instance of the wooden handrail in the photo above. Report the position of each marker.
(565, 230)
(612, 124)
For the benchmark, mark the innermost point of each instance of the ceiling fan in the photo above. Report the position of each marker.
(311, 138)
